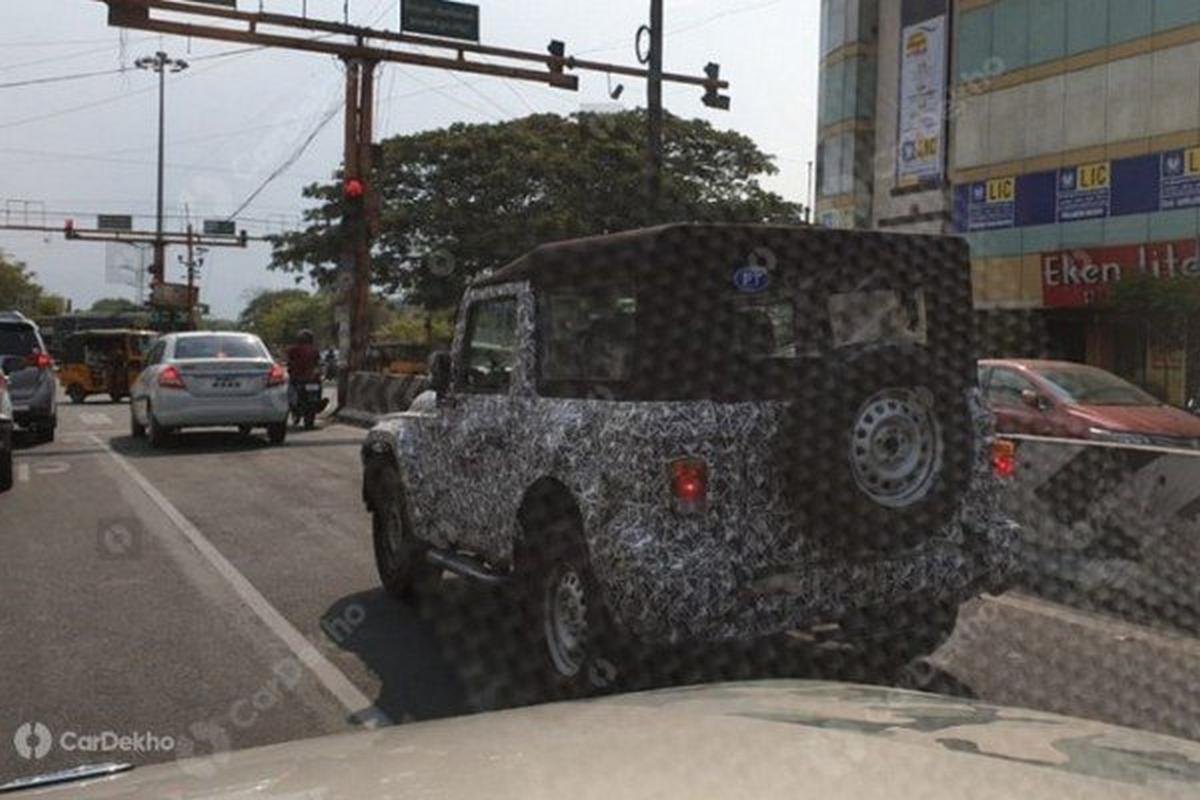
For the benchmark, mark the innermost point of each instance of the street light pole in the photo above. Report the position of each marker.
(654, 108)
(161, 63)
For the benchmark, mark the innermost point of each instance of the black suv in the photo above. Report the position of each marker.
(704, 432)
(32, 385)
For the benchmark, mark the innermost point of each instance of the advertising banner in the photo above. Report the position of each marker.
(992, 204)
(922, 103)
(1180, 179)
(1082, 277)
(1084, 192)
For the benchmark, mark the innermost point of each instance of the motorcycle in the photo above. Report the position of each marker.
(307, 402)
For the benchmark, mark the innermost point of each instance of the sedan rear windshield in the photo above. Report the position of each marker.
(17, 340)
(1088, 386)
(218, 347)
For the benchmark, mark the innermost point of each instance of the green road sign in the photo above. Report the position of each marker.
(440, 18)
(220, 227)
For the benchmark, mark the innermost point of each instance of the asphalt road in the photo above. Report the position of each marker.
(221, 594)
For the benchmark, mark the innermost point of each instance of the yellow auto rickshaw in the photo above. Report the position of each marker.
(103, 362)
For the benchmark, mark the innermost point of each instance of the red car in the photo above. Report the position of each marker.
(1077, 401)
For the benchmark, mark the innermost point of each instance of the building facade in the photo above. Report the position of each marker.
(1060, 137)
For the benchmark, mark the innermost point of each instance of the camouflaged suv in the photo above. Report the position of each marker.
(703, 432)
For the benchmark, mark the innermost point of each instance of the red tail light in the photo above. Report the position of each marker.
(689, 484)
(40, 360)
(277, 376)
(1004, 458)
(170, 378)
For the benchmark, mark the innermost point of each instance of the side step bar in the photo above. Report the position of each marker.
(465, 566)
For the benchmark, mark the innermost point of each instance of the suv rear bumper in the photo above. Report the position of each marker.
(661, 597)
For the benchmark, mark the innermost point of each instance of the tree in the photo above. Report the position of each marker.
(277, 316)
(470, 198)
(116, 305)
(20, 291)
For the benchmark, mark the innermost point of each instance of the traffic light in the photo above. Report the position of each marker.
(354, 189)
(712, 94)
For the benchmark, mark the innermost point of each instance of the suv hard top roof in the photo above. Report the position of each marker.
(653, 249)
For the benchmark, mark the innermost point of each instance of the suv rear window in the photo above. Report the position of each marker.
(218, 347)
(17, 339)
(885, 316)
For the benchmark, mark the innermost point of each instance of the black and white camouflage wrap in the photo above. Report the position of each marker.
(743, 567)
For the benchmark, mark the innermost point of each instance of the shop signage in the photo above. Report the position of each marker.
(1082, 277)
(993, 204)
(1084, 192)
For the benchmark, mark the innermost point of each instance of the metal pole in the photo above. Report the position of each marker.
(345, 313)
(654, 104)
(808, 196)
(360, 323)
(191, 278)
(160, 259)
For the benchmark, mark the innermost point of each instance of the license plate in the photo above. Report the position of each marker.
(226, 383)
(313, 387)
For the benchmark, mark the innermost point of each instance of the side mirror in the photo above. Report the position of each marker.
(439, 371)
(1034, 400)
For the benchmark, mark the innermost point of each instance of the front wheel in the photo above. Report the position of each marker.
(399, 556)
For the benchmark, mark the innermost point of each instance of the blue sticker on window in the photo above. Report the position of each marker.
(752, 279)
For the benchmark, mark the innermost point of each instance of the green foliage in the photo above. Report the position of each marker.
(1169, 302)
(115, 305)
(469, 198)
(419, 327)
(20, 291)
(277, 316)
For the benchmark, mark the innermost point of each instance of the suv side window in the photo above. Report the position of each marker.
(490, 351)
(587, 342)
(1005, 387)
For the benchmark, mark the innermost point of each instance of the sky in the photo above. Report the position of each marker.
(81, 147)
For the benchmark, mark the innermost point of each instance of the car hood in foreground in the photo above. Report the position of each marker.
(1149, 420)
(780, 739)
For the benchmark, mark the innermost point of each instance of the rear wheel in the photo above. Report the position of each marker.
(564, 606)
(310, 420)
(399, 556)
(277, 432)
(136, 429)
(6, 459)
(77, 393)
(159, 435)
(44, 433)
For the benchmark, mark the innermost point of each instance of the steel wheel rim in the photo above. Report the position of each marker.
(565, 620)
(896, 447)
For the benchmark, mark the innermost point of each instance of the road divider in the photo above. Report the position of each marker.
(372, 395)
(1110, 527)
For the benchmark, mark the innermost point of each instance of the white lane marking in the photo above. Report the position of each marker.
(95, 419)
(1108, 626)
(330, 676)
(23, 472)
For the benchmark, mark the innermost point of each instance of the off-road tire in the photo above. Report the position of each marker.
(399, 555)
(44, 434)
(879, 450)
(553, 555)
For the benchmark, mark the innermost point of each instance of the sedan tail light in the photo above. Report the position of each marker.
(39, 360)
(1004, 458)
(689, 484)
(277, 376)
(170, 378)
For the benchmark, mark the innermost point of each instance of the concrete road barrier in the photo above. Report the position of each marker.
(372, 395)
(1111, 527)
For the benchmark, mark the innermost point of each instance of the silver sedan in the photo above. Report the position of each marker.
(209, 379)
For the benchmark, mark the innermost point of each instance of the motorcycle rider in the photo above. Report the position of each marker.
(303, 361)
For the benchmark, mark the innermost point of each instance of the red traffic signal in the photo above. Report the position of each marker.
(354, 189)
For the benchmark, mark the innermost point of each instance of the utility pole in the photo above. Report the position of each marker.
(161, 63)
(654, 110)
